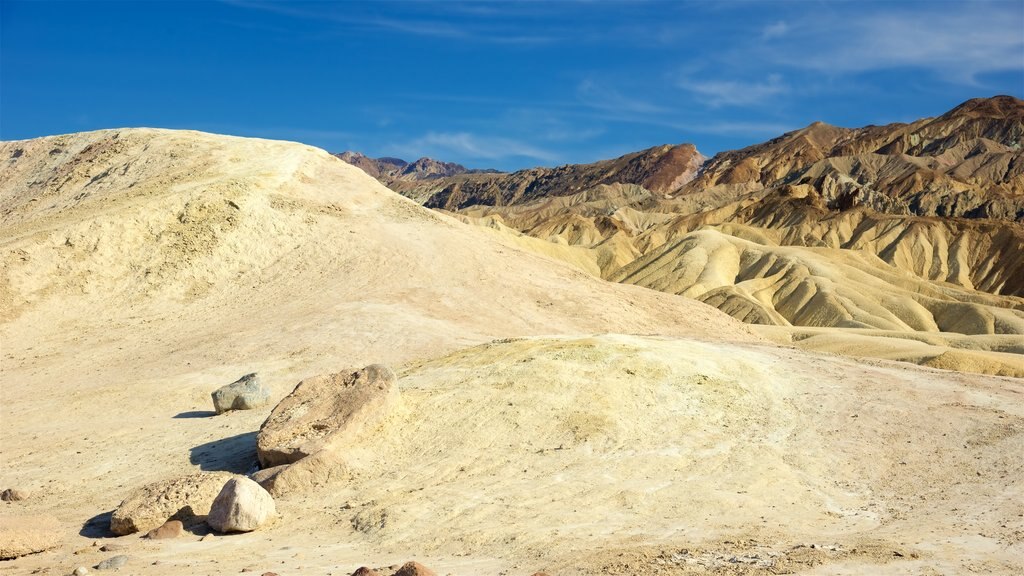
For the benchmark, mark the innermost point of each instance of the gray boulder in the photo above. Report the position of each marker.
(112, 563)
(241, 506)
(246, 393)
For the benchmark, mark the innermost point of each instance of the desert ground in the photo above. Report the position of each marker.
(548, 419)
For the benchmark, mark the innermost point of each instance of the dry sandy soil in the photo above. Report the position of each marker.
(549, 420)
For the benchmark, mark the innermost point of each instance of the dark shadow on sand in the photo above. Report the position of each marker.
(98, 526)
(196, 414)
(235, 454)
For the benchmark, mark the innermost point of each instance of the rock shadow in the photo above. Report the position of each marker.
(195, 414)
(98, 526)
(236, 454)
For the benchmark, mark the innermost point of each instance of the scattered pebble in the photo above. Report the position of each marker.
(413, 568)
(13, 495)
(113, 562)
(170, 529)
(80, 571)
(113, 548)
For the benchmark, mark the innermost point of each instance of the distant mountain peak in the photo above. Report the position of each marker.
(390, 170)
(1001, 107)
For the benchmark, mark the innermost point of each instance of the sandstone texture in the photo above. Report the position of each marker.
(325, 412)
(183, 498)
(23, 535)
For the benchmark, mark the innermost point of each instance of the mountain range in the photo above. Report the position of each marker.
(902, 232)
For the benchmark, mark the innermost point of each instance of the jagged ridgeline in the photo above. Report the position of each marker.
(823, 226)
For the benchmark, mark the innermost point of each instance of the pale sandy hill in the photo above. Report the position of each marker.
(143, 269)
(155, 218)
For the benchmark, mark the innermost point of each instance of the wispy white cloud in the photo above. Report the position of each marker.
(603, 97)
(957, 41)
(467, 145)
(775, 30)
(490, 30)
(738, 128)
(719, 92)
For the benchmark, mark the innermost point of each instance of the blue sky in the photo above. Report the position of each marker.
(499, 84)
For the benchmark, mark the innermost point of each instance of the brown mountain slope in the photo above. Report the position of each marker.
(967, 163)
(395, 171)
(660, 169)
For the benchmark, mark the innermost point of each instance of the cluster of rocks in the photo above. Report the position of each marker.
(301, 445)
(227, 502)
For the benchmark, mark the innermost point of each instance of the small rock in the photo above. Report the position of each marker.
(22, 535)
(81, 571)
(241, 506)
(113, 548)
(112, 563)
(13, 495)
(414, 569)
(269, 574)
(246, 393)
(364, 571)
(170, 529)
(207, 538)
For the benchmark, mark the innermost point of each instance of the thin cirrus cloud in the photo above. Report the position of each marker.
(958, 42)
(490, 29)
(603, 97)
(775, 30)
(471, 146)
(716, 93)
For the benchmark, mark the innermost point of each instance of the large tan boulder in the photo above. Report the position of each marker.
(183, 498)
(325, 412)
(22, 535)
(311, 472)
(241, 506)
